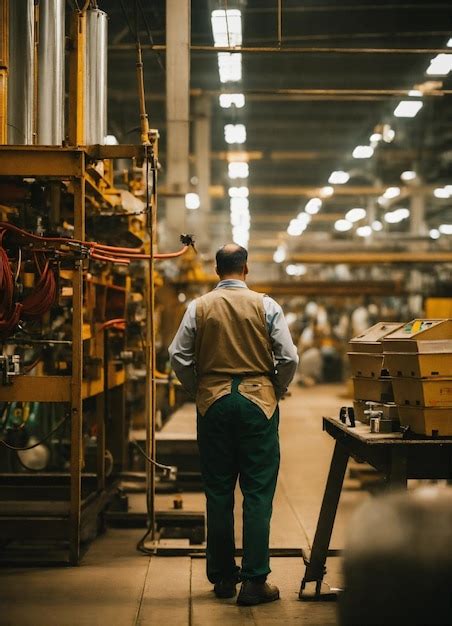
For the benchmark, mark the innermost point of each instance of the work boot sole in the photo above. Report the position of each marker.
(244, 600)
(224, 595)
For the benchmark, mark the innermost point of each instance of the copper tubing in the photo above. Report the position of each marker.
(98, 250)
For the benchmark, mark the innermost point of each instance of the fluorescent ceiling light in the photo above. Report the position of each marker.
(303, 218)
(363, 152)
(434, 233)
(241, 220)
(229, 99)
(391, 192)
(327, 191)
(408, 175)
(364, 231)
(394, 217)
(240, 237)
(238, 169)
(296, 270)
(343, 225)
(110, 140)
(441, 192)
(296, 228)
(235, 133)
(445, 229)
(227, 27)
(377, 225)
(239, 192)
(448, 188)
(313, 206)
(415, 93)
(355, 215)
(449, 43)
(408, 108)
(230, 67)
(279, 255)
(376, 137)
(239, 204)
(388, 134)
(440, 65)
(339, 177)
(192, 201)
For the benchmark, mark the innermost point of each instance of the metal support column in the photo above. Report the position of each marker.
(76, 382)
(4, 45)
(417, 217)
(202, 137)
(76, 138)
(77, 80)
(177, 111)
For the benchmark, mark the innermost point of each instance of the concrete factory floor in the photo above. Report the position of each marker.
(117, 586)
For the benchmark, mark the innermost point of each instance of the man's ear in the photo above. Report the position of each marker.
(245, 269)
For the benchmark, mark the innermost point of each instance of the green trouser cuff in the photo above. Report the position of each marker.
(236, 440)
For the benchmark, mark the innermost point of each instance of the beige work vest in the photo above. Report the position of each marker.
(232, 339)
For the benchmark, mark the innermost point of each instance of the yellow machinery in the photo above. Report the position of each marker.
(66, 243)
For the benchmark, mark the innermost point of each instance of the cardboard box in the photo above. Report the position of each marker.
(427, 421)
(423, 392)
(371, 339)
(366, 350)
(418, 365)
(369, 365)
(413, 337)
(373, 389)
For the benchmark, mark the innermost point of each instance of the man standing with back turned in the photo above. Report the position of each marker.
(234, 353)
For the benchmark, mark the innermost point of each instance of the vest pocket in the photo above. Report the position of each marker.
(260, 391)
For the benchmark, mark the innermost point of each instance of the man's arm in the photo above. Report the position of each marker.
(182, 350)
(284, 352)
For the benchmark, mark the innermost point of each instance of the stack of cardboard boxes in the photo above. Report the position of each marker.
(418, 357)
(371, 381)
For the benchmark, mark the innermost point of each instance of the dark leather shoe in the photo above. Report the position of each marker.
(226, 588)
(252, 593)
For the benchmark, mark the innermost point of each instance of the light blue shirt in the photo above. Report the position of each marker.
(182, 348)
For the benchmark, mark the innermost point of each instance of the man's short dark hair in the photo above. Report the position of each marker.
(231, 259)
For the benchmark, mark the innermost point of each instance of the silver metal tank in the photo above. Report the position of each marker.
(20, 72)
(96, 77)
(51, 88)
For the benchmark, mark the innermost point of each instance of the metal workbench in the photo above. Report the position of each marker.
(396, 456)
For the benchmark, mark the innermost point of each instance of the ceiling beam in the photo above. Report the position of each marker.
(364, 257)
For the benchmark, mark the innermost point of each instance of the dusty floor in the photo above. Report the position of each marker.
(117, 586)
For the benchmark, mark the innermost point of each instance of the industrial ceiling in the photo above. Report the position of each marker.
(331, 78)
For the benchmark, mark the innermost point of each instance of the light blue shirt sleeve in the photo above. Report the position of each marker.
(284, 351)
(182, 350)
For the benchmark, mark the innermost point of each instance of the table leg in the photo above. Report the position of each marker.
(397, 477)
(315, 565)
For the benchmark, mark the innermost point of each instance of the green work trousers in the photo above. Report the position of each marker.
(236, 440)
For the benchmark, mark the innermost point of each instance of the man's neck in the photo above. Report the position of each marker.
(233, 277)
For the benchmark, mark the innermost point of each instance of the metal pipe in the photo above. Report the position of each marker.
(96, 77)
(289, 49)
(51, 72)
(21, 72)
